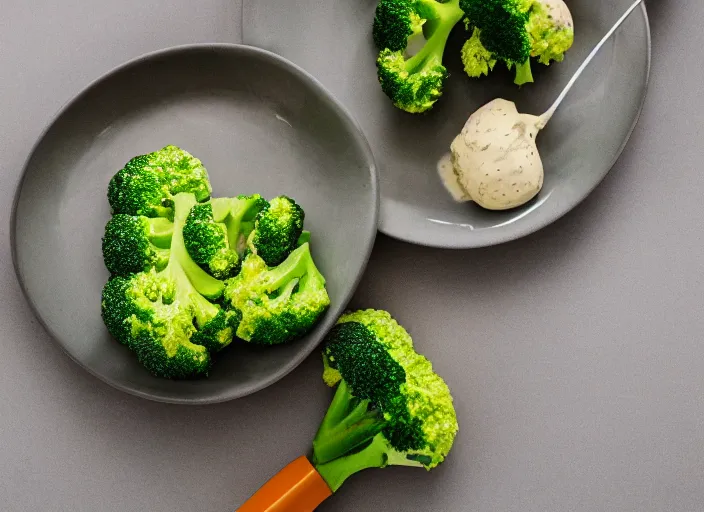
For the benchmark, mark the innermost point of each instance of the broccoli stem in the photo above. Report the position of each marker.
(312, 277)
(337, 471)
(205, 284)
(377, 454)
(438, 30)
(524, 73)
(298, 264)
(348, 424)
(238, 216)
(160, 232)
(205, 310)
(304, 238)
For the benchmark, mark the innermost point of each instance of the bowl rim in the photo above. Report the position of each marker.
(340, 111)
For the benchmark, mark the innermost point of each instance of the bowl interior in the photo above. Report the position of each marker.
(260, 125)
(333, 41)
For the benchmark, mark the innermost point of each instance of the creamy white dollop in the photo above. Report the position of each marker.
(494, 160)
(558, 11)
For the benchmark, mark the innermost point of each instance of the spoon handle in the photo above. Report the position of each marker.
(547, 115)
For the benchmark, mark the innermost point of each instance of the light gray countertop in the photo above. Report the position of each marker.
(576, 355)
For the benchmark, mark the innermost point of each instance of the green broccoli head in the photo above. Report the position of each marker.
(513, 31)
(277, 229)
(132, 244)
(413, 89)
(395, 21)
(146, 312)
(503, 26)
(161, 313)
(477, 60)
(207, 243)
(146, 184)
(413, 83)
(277, 304)
(390, 407)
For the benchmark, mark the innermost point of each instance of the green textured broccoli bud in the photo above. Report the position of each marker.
(277, 229)
(146, 184)
(395, 21)
(132, 244)
(476, 59)
(207, 243)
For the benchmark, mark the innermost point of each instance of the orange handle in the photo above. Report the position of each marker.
(296, 488)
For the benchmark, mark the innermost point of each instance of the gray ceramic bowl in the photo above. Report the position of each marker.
(259, 124)
(333, 41)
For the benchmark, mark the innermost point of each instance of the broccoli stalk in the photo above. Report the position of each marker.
(377, 454)
(524, 73)
(238, 214)
(348, 423)
(430, 55)
(205, 284)
(414, 84)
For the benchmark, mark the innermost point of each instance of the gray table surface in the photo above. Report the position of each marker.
(575, 355)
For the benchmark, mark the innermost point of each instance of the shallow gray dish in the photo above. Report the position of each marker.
(259, 124)
(333, 41)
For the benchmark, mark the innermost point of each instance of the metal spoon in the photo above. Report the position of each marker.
(543, 119)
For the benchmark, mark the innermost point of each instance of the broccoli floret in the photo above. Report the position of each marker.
(413, 83)
(277, 304)
(147, 183)
(503, 26)
(161, 315)
(132, 244)
(277, 229)
(499, 30)
(390, 407)
(513, 31)
(551, 30)
(206, 242)
(215, 233)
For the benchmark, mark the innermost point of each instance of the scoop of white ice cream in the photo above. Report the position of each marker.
(495, 160)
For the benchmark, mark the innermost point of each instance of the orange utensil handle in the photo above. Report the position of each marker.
(296, 488)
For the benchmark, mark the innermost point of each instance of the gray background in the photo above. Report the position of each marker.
(575, 355)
